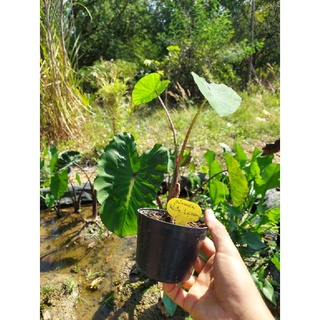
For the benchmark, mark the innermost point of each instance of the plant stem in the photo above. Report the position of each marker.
(171, 124)
(93, 192)
(179, 157)
(205, 182)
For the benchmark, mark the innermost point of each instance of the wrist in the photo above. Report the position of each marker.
(257, 310)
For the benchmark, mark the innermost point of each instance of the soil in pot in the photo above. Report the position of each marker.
(167, 218)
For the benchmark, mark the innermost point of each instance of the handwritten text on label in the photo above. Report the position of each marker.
(183, 211)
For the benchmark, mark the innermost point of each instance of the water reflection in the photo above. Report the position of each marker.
(84, 250)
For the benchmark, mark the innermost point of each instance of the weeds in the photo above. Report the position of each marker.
(109, 300)
(91, 274)
(69, 286)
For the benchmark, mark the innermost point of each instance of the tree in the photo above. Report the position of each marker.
(115, 29)
(214, 36)
(265, 48)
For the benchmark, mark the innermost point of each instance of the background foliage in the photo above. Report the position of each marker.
(84, 42)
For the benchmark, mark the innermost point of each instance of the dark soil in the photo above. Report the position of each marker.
(164, 216)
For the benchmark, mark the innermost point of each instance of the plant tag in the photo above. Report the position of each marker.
(183, 211)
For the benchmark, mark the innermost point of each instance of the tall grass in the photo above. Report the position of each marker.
(63, 107)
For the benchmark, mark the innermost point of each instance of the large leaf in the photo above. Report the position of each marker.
(67, 159)
(59, 184)
(253, 240)
(126, 181)
(222, 98)
(270, 178)
(238, 182)
(148, 88)
(218, 191)
(52, 153)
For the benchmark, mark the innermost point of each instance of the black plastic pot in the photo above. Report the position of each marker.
(166, 252)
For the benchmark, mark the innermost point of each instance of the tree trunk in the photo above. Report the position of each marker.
(251, 41)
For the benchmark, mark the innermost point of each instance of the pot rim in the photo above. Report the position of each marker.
(168, 223)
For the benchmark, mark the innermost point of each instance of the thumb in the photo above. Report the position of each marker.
(219, 233)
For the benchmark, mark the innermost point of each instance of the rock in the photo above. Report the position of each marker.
(272, 199)
(59, 301)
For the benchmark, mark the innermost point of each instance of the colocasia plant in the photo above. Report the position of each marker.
(127, 181)
(236, 190)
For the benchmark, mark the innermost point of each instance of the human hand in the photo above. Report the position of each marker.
(223, 288)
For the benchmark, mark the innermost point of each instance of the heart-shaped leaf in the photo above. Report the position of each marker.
(148, 88)
(126, 181)
(59, 184)
(222, 98)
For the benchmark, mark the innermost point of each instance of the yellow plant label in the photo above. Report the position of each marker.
(183, 211)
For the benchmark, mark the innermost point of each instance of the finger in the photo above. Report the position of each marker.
(220, 236)
(175, 293)
(207, 247)
(199, 264)
(189, 283)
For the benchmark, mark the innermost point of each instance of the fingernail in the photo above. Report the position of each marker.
(210, 213)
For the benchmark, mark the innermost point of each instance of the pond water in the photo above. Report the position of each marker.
(79, 253)
(70, 246)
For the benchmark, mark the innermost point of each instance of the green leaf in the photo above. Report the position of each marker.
(253, 240)
(148, 88)
(268, 291)
(53, 152)
(264, 160)
(276, 260)
(68, 158)
(214, 166)
(271, 217)
(218, 191)
(49, 200)
(59, 184)
(186, 158)
(169, 305)
(270, 178)
(240, 155)
(256, 280)
(126, 182)
(238, 182)
(78, 178)
(253, 171)
(222, 98)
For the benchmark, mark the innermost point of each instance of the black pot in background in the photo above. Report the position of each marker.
(166, 252)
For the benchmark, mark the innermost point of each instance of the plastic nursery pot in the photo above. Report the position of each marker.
(166, 252)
